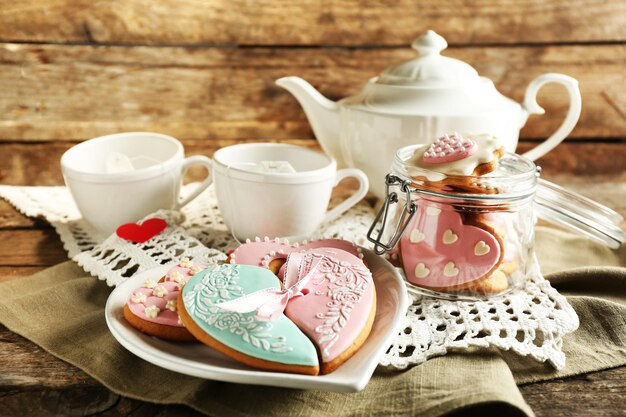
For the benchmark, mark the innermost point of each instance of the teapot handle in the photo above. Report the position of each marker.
(532, 107)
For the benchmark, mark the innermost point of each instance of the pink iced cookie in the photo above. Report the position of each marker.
(261, 252)
(438, 250)
(508, 227)
(152, 307)
(449, 148)
(183, 271)
(338, 306)
(156, 302)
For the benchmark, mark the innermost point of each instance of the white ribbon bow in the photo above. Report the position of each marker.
(269, 303)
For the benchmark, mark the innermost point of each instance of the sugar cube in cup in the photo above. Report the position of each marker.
(266, 167)
(117, 162)
(276, 167)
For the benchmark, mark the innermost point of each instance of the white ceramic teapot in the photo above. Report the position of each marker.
(417, 100)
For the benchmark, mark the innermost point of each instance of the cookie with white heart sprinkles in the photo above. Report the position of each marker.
(153, 307)
(494, 283)
(442, 252)
(455, 163)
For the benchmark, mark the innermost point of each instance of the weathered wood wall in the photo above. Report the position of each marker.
(204, 70)
(310, 22)
(72, 92)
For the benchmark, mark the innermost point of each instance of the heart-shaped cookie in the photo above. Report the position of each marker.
(329, 300)
(452, 162)
(275, 346)
(451, 253)
(152, 308)
(338, 308)
(272, 253)
(449, 148)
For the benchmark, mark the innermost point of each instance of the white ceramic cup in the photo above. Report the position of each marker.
(109, 199)
(291, 205)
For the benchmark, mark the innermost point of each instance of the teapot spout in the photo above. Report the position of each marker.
(322, 113)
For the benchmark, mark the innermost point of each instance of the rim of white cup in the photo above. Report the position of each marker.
(135, 175)
(298, 177)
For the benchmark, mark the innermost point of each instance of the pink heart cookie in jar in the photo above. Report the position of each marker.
(438, 250)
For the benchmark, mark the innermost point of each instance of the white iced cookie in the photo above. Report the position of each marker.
(451, 155)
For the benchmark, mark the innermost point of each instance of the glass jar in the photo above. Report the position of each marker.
(472, 237)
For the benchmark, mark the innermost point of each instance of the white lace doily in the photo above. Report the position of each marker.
(530, 321)
(117, 259)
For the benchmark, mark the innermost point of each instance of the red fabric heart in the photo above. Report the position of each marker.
(140, 233)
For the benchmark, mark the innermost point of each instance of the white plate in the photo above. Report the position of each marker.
(198, 360)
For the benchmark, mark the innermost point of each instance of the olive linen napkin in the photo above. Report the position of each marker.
(593, 278)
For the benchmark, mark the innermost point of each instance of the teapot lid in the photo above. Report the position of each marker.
(430, 68)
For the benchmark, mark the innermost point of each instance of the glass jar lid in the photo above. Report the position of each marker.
(515, 177)
(578, 213)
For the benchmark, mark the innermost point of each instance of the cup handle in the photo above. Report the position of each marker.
(532, 107)
(187, 163)
(354, 198)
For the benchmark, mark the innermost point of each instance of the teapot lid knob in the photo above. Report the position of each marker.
(430, 69)
(430, 43)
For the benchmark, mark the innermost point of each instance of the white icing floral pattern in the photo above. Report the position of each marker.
(346, 286)
(221, 284)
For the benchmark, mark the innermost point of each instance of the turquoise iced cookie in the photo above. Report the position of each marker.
(279, 341)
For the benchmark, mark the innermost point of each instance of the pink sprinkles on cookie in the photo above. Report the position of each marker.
(449, 148)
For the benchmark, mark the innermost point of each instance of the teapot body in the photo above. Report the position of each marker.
(418, 100)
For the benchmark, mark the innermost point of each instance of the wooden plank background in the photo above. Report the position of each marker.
(71, 70)
(204, 71)
(310, 22)
(71, 92)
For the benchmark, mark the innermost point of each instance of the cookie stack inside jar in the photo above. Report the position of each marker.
(458, 217)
